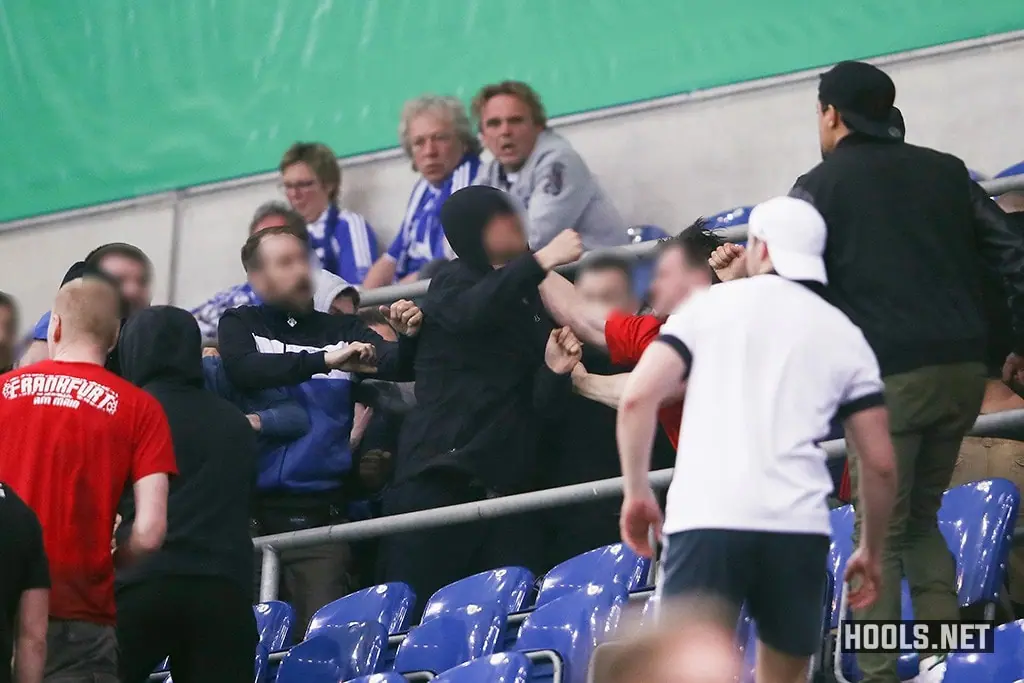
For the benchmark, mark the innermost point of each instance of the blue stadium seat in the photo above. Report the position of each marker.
(977, 521)
(562, 634)
(613, 566)
(389, 677)
(729, 218)
(1004, 665)
(452, 638)
(1016, 169)
(337, 652)
(509, 587)
(274, 621)
(645, 233)
(261, 664)
(388, 604)
(508, 667)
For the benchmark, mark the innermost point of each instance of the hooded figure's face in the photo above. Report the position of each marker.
(161, 343)
(483, 227)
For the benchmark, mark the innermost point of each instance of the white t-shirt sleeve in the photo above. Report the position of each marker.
(863, 385)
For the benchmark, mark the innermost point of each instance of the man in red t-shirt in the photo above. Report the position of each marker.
(682, 265)
(74, 435)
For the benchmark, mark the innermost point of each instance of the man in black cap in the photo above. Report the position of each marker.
(907, 232)
(489, 369)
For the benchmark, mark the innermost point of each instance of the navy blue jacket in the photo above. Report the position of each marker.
(264, 347)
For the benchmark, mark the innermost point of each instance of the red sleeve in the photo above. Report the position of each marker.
(152, 447)
(627, 336)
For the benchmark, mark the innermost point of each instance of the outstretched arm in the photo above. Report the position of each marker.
(567, 307)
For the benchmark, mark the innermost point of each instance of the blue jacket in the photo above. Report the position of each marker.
(264, 347)
(281, 418)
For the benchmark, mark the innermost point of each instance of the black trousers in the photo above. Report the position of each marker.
(205, 625)
(430, 559)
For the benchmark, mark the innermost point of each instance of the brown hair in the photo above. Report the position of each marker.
(321, 159)
(521, 91)
(293, 220)
(251, 248)
(129, 251)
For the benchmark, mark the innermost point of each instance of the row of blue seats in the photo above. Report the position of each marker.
(579, 602)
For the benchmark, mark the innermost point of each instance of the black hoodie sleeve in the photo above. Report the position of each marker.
(1001, 239)
(394, 359)
(249, 370)
(460, 304)
(550, 391)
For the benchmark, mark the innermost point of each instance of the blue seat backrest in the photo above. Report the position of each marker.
(645, 233)
(451, 638)
(261, 664)
(613, 566)
(977, 520)
(360, 645)
(1016, 169)
(274, 622)
(507, 667)
(388, 604)
(839, 550)
(387, 677)
(1004, 665)
(508, 587)
(315, 660)
(572, 626)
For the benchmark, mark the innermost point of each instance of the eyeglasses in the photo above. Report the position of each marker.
(299, 185)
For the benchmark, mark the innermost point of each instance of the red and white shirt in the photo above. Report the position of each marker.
(74, 436)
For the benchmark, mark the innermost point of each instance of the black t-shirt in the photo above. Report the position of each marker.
(23, 567)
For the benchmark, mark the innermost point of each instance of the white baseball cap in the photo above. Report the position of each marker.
(794, 233)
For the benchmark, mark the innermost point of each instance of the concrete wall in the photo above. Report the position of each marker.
(663, 162)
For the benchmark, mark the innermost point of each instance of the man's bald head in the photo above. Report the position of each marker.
(1011, 202)
(87, 312)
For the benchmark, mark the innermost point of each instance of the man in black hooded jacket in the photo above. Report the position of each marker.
(192, 600)
(489, 369)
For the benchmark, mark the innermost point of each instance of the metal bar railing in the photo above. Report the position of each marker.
(386, 295)
(986, 425)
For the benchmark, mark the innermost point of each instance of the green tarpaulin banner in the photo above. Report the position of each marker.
(107, 99)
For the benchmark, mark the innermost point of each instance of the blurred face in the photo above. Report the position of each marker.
(283, 276)
(133, 279)
(504, 239)
(343, 304)
(8, 333)
(674, 279)
(828, 129)
(508, 130)
(305, 192)
(436, 149)
(610, 287)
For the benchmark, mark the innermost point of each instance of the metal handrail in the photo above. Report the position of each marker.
(986, 425)
(386, 295)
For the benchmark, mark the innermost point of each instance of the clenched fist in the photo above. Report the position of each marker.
(563, 351)
(729, 262)
(565, 248)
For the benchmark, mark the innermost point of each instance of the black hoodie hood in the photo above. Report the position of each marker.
(464, 216)
(161, 343)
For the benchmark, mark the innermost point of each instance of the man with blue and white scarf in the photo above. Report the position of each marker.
(436, 134)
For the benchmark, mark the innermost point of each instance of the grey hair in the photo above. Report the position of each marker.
(450, 107)
(278, 208)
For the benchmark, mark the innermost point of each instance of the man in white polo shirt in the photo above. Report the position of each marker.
(747, 518)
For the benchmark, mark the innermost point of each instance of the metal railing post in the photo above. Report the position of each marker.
(270, 573)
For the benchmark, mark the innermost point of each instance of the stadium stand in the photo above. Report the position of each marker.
(614, 567)
(453, 637)
(508, 588)
(387, 605)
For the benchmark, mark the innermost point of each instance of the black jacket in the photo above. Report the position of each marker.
(208, 506)
(482, 388)
(907, 230)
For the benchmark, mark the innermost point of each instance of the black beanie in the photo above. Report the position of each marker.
(464, 216)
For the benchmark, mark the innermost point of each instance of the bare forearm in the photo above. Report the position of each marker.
(568, 308)
(381, 273)
(869, 433)
(29, 659)
(877, 493)
(605, 389)
(635, 430)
